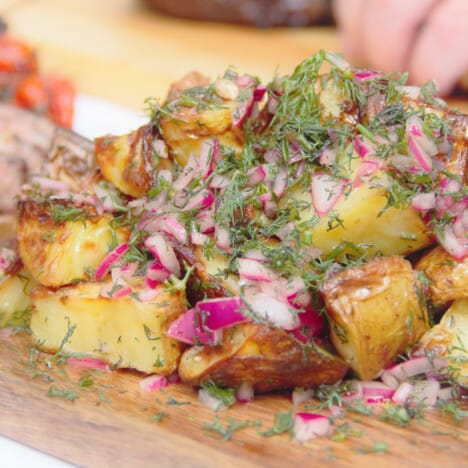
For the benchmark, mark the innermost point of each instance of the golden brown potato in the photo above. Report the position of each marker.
(447, 277)
(185, 128)
(130, 161)
(15, 302)
(265, 358)
(123, 331)
(60, 243)
(449, 338)
(376, 312)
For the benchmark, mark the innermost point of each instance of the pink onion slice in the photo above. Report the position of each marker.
(208, 400)
(307, 426)
(183, 328)
(327, 157)
(326, 191)
(152, 383)
(110, 259)
(254, 270)
(281, 182)
(88, 363)
(424, 201)
(423, 159)
(402, 393)
(426, 391)
(416, 366)
(221, 312)
(203, 200)
(457, 248)
(366, 75)
(164, 252)
(277, 312)
(245, 393)
(255, 175)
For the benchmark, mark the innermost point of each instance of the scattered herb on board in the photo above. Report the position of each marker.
(225, 432)
(283, 422)
(159, 416)
(69, 394)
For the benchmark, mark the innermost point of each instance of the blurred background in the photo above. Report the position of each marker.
(127, 50)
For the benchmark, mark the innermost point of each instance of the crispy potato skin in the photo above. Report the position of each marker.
(186, 129)
(448, 278)
(58, 253)
(128, 161)
(449, 338)
(375, 313)
(266, 358)
(123, 331)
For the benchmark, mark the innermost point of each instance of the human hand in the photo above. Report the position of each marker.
(427, 38)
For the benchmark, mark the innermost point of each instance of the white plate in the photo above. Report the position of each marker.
(96, 117)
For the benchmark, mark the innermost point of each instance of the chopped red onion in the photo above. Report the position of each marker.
(203, 200)
(245, 393)
(88, 363)
(307, 426)
(112, 257)
(389, 379)
(172, 226)
(326, 191)
(208, 400)
(223, 238)
(197, 238)
(328, 157)
(426, 391)
(281, 181)
(446, 394)
(402, 393)
(221, 312)
(164, 252)
(255, 175)
(457, 248)
(366, 75)
(424, 201)
(416, 366)
(152, 383)
(254, 270)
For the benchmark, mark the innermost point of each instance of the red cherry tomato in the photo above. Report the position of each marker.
(16, 56)
(32, 93)
(61, 100)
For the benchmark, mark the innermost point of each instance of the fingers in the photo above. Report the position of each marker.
(390, 29)
(348, 15)
(441, 49)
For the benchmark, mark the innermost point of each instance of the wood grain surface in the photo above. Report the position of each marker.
(116, 50)
(112, 423)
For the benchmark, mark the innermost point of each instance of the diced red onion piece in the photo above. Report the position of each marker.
(327, 157)
(206, 221)
(245, 393)
(300, 395)
(456, 247)
(389, 379)
(221, 312)
(219, 182)
(163, 251)
(183, 328)
(255, 254)
(424, 201)
(366, 75)
(307, 426)
(207, 157)
(172, 226)
(416, 366)
(254, 270)
(273, 310)
(160, 148)
(255, 175)
(88, 363)
(223, 238)
(152, 383)
(203, 200)
(402, 393)
(326, 191)
(363, 147)
(426, 391)
(365, 171)
(208, 400)
(446, 394)
(50, 184)
(110, 259)
(191, 170)
(197, 238)
(373, 388)
(115, 290)
(423, 159)
(281, 182)
(149, 294)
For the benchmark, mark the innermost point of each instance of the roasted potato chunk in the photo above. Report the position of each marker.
(60, 243)
(376, 313)
(447, 277)
(449, 338)
(15, 302)
(125, 332)
(358, 218)
(266, 358)
(130, 161)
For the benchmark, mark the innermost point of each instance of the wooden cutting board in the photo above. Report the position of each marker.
(94, 418)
